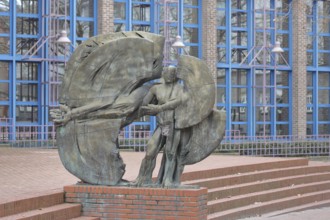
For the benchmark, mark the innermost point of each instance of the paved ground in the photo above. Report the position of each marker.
(29, 172)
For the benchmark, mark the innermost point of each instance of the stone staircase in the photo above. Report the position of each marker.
(49, 206)
(269, 188)
(256, 189)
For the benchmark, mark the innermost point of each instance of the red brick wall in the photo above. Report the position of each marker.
(138, 203)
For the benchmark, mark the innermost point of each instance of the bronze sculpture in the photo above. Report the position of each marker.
(104, 90)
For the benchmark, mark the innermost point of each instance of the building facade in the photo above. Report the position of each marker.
(264, 93)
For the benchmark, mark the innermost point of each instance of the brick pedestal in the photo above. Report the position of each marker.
(138, 203)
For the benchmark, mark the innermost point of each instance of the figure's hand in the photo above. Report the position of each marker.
(151, 109)
(61, 115)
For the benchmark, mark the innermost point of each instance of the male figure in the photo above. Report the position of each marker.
(168, 96)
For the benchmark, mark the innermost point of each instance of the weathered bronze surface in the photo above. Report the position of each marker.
(105, 89)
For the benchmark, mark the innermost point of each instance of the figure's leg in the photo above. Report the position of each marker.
(171, 148)
(148, 163)
(182, 151)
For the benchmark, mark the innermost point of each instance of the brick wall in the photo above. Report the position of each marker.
(105, 16)
(209, 35)
(299, 75)
(138, 203)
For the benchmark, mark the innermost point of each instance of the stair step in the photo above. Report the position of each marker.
(263, 185)
(315, 205)
(62, 212)
(37, 202)
(85, 218)
(204, 174)
(265, 196)
(239, 178)
(258, 209)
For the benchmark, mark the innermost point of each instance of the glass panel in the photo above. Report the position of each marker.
(238, 95)
(240, 129)
(263, 130)
(261, 98)
(324, 96)
(64, 7)
(221, 3)
(309, 79)
(141, 27)
(26, 113)
(30, 7)
(261, 77)
(263, 113)
(221, 76)
(238, 55)
(284, 58)
(85, 8)
(324, 25)
(4, 113)
(4, 5)
(4, 45)
(284, 39)
(4, 92)
(282, 96)
(221, 37)
(27, 71)
(282, 78)
(309, 59)
(324, 43)
(260, 38)
(119, 27)
(309, 129)
(5, 25)
(239, 4)
(192, 51)
(282, 129)
(190, 15)
(221, 95)
(221, 55)
(190, 35)
(238, 114)
(221, 18)
(324, 59)
(191, 2)
(141, 12)
(23, 45)
(172, 16)
(282, 22)
(238, 19)
(27, 26)
(238, 77)
(4, 71)
(239, 38)
(85, 29)
(324, 129)
(282, 114)
(324, 79)
(324, 114)
(27, 92)
(120, 10)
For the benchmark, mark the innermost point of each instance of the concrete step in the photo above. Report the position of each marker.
(85, 218)
(263, 185)
(211, 173)
(256, 175)
(28, 204)
(300, 208)
(257, 209)
(61, 212)
(221, 205)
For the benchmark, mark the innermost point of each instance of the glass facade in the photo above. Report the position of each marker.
(318, 55)
(26, 72)
(254, 85)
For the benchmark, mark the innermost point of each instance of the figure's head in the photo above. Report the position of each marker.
(169, 74)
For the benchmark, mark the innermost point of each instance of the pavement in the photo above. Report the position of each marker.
(29, 172)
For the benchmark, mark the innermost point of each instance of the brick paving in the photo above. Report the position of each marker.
(30, 172)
